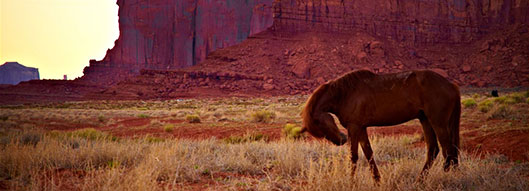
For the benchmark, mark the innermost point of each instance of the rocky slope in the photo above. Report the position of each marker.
(273, 63)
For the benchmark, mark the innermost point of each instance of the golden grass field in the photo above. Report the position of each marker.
(240, 144)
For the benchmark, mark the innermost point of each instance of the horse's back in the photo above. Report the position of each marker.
(433, 83)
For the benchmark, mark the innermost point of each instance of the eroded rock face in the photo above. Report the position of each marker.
(424, 21)
(13, 73)
(170, 34)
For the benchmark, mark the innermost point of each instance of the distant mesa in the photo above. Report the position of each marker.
(13, 73)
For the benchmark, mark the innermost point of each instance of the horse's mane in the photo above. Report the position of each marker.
(336, 87)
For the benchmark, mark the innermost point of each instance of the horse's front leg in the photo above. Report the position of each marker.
(352, 132)
(368, 152)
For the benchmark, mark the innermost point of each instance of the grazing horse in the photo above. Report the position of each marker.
(361, 99)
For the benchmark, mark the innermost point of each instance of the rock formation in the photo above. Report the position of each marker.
(171, 34)
(423, 21)
(13, 73)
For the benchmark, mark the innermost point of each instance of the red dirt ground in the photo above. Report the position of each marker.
(511, 143)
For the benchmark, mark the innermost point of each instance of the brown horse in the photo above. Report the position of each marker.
(361, 99)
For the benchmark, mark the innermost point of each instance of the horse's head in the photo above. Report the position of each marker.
(324, 129)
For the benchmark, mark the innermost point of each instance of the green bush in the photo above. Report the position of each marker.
(101, 118)
(292, 131)
(168, 128)
(485, 105)
(143, 116)
(263, 116)
(91, 134)
(193, 118)
(468, 103)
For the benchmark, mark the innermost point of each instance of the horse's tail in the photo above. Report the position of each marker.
(307, 112)
(454, 123)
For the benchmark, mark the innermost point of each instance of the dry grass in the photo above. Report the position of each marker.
(93, 160)
(138, 164)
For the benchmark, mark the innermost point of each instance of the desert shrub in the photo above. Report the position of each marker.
(29, 138)
(502, 112)
(518, 97)
(193, 118)
(485, 105)
(245, 138)
(101, 118)
(513, 98)
(475, 96)
(292, 131)
(468, 103)
(143, 115)
(263, 116)
(505, 100)
(91, 134)
(168, 128)
(152, 139)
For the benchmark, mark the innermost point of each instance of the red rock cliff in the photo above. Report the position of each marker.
(170, 34)
(414, 21)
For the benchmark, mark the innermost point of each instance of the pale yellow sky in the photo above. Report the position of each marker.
(57, 36)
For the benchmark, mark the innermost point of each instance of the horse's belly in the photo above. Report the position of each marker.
(395, 116)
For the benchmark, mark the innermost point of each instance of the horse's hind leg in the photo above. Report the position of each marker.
(449, 151)
(368, 152)
(431, 143)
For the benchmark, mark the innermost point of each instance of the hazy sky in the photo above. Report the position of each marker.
(57, 36)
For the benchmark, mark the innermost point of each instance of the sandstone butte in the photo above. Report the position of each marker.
(186, 48)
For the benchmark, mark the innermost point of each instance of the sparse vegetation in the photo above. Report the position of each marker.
(193, 118)
(245, 138)
(469, 103)
(141, 115)
(166, 152)
(502, 112)
(263, 116)
(292, 131)
(178, 164)
(168, 128)
(485, 105)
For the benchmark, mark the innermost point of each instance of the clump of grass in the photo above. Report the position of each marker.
(469, 103)
(152, 139)
(29, 138)
(168, 128)
(101, 118)
(505, 100)
(485, 105)
(143, 115)
(513, 98)
(91, 134)
(502, 112)
(193, 118)
(475, 96)
(292, 131)
(263, 116)
(245, 138)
